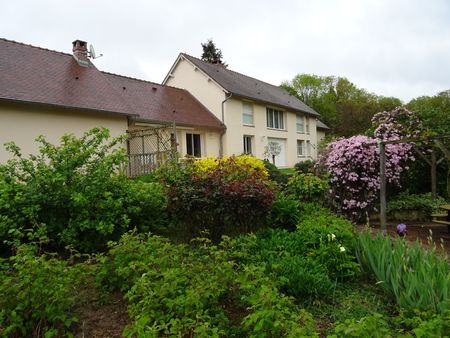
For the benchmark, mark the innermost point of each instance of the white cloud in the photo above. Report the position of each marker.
(398, 48)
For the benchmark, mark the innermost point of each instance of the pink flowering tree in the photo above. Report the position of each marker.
(353, 163)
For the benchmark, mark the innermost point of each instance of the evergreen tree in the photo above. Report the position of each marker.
(211, 53)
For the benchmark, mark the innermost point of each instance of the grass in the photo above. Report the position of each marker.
(288, 171)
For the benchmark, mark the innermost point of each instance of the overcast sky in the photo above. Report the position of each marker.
(395, 48)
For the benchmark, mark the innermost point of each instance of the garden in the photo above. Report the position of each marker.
(229, 247)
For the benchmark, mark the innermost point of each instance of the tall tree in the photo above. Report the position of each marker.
(347, 109)
(211, 53)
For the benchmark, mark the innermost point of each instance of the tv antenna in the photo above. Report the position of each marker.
(92, 53)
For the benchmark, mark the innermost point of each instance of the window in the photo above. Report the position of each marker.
(274, 118)
(300, 148)
(248, 144)
(247, 113)
(300, 124)
(193, 147)
(308, 148)
(307, 125)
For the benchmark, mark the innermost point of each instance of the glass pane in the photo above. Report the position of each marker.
(189, 144)
(247, 119)
(275, 117)
(280, 114)
(197, 147)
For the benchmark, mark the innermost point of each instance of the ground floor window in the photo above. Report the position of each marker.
(248, 144)
(301, 148)
(193, 145)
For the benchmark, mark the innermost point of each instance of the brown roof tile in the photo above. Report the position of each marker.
(248, 87)
(157, 103)
(38, 75)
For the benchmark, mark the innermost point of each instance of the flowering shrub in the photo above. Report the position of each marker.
(353, 163)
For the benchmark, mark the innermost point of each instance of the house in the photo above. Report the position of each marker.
(254, 112)
(45, 92)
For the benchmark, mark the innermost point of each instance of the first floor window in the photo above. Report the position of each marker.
(193, 146)
(274, 118)
(300, 124)
(247, 113)
(248, 144)
(300, 148)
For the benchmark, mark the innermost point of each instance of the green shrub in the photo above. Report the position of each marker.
(425, 325)
(37, 294)
(303, 277)
(422, 202)
(371, 326)
(416, 278)
(330, 240)
(285, 212)
(75, 192)
(276, 174)
(177, 290)
(305, 166)
(307, 187)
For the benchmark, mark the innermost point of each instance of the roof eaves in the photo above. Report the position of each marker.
(54, 105)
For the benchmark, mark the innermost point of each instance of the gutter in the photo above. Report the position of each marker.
(223, 122)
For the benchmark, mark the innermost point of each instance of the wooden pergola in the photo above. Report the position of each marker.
(435, 142)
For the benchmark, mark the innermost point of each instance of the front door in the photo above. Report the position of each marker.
(280, 160)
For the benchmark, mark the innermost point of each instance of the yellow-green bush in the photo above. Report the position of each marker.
(238, 165)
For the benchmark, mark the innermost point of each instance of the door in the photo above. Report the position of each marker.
(280, 160)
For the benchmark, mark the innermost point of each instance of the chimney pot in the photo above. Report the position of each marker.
(80, 52)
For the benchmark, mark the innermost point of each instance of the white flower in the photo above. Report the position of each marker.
(333, 236)
(341, 248)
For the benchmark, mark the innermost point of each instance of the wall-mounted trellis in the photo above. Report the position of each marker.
(149, 148)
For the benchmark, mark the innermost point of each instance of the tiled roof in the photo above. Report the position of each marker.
(157, 103)
(38, 75)
(32, 74)
(322, 125)
(248, 87)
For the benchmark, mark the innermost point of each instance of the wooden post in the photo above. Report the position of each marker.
(383, 188)
(433, 173)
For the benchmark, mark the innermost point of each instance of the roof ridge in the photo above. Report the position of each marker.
(250, 77)
(137, 79)
(37, 47)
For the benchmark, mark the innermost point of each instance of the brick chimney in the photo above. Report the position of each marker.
(80, 52)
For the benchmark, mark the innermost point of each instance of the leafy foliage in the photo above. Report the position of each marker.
(307, 187)
(177, 290)
(219, 196)
(370, 326)
(424, 202)
(276, 174)
(285, 212)
(347, 109)
(38, 293)
(305, 166)
(416, 278)
(74, 194)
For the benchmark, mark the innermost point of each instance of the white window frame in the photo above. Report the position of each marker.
(275, 118)
(249, 139)
(301, 151)
(247, 112)
(193, 144)
(300, 125)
